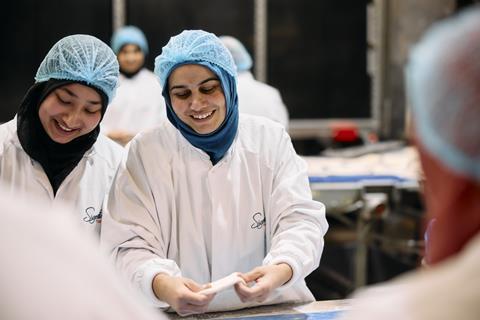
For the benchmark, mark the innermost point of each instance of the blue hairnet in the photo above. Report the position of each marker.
(240, 55)
(192, 46)
(81, 58)
(129, 35)
(443, 85)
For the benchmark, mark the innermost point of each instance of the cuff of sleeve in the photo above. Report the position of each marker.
(147, 271)
(296, 273)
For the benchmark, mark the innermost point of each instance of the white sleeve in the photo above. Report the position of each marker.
(131, 232)
(297, 223)
(147, 272)
(281, 110)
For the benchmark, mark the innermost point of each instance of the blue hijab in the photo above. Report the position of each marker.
(205, 49)
(216, 143)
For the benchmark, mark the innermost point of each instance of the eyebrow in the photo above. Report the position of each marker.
(71, 93)
(202, 82)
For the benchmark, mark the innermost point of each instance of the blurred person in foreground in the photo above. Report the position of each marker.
(254, 97)
(443, 85)
(138, 104)
(53, 270)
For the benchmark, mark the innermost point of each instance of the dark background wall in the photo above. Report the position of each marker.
(29, 28)
(162, 19)
(316, 49)
(317, 57)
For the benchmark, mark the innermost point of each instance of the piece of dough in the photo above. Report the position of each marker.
(222, 284)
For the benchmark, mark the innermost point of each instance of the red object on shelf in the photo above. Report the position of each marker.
(345, 132)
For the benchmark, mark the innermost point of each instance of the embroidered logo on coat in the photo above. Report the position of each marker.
(259, 221)
(91, 216)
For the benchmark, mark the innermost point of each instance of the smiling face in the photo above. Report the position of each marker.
(130, 58)
(70, 111)
(197, 97)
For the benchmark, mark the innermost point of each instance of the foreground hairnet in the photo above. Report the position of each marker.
(240, 55)
(129, 35)
(443, 85)
(81, 58)
(192, 46)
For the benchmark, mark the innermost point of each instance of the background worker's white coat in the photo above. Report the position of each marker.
(85, 187)
(260, 99)
(138, 104)
(171, 211)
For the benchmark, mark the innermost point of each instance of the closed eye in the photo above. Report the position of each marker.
(209, 89)
(91, 111)
(181, 94)
(63, 100)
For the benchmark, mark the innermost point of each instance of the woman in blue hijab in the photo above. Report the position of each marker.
(211, 194)
(214, 130)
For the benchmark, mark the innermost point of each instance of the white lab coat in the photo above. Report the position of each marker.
(448, 290)
(138, 104)
(171, 211)
(260, 99)
(51, 269)
(84, 188)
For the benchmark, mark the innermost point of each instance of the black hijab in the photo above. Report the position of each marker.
(56, 159)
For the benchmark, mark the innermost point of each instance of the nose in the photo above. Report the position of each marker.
(198, 102)
(73, 118)
(130, 57)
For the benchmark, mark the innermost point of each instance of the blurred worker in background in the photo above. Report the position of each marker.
(254, 97)
(443, 85)
(138, 104)
(53, 147)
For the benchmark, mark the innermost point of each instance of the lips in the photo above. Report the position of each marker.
(63, 129)
(202, 116)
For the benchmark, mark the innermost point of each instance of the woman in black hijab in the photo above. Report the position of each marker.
(54, 147)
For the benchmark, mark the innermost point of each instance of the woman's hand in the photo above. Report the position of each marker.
(266, 278)
(181, 294)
